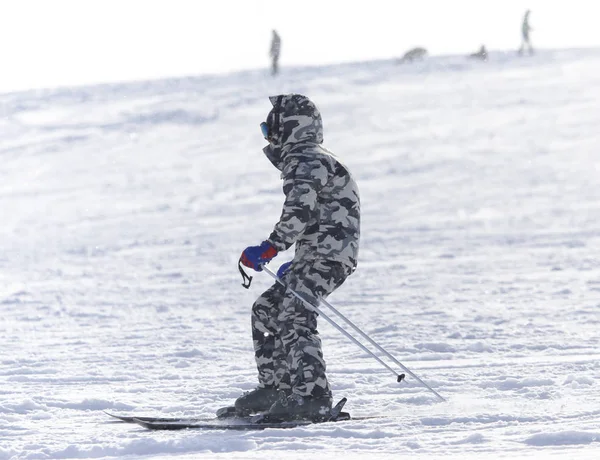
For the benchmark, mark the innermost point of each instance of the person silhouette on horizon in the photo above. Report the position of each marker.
(274, 52)
(525, 29)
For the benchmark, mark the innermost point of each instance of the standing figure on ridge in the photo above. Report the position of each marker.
(525, 29)
(274, 52)
(321, 216)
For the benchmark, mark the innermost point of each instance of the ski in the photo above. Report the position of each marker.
(241, 424)
(132, 418)
(229, 419)
(223, 413)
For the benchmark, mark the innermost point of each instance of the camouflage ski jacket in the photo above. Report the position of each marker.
(321, 212)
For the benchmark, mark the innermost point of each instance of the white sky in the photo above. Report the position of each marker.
(68, 42)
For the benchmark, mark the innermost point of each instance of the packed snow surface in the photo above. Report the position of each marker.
(124, 209)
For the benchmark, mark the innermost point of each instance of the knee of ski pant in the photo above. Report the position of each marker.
(317, 278)
(297, 320)
(269, 303)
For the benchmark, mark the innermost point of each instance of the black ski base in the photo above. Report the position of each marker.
(241, 424)
(135, 418)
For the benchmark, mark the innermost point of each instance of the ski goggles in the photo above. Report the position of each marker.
(264, 129)
(270, 127)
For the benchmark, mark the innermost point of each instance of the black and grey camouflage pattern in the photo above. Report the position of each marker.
(321, 212)
(321, 215)
(286, 341)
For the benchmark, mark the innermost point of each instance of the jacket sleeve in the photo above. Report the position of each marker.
(302, 182)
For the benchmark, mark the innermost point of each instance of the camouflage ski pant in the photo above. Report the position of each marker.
(286, 342)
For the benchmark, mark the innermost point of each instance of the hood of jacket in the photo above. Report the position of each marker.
(294, 119)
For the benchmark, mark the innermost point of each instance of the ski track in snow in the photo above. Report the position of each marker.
(125, 208)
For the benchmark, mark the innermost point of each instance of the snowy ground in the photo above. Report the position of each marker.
(124, 209)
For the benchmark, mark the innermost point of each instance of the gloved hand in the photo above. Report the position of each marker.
(283, 269)
(255, 256)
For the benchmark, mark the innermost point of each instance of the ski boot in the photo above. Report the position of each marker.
(296, 407)
(258, 400)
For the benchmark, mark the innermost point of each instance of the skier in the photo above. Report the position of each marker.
(321, 215)
(274, 52)
(525, 29)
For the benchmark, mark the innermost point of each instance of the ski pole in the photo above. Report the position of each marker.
(334, 324)
(380, 348)
(353, 339)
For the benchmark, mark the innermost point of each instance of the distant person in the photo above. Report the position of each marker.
(274, 52)
(525, 29)
(413, 55)
(481, 54)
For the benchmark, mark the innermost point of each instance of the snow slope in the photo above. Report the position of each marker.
(124, 209)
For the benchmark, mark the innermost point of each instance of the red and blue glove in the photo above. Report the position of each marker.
(283, 269)
(255, 256)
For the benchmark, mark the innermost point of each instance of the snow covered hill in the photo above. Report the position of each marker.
(124, 209)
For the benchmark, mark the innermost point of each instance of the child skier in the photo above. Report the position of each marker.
(321, 215)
